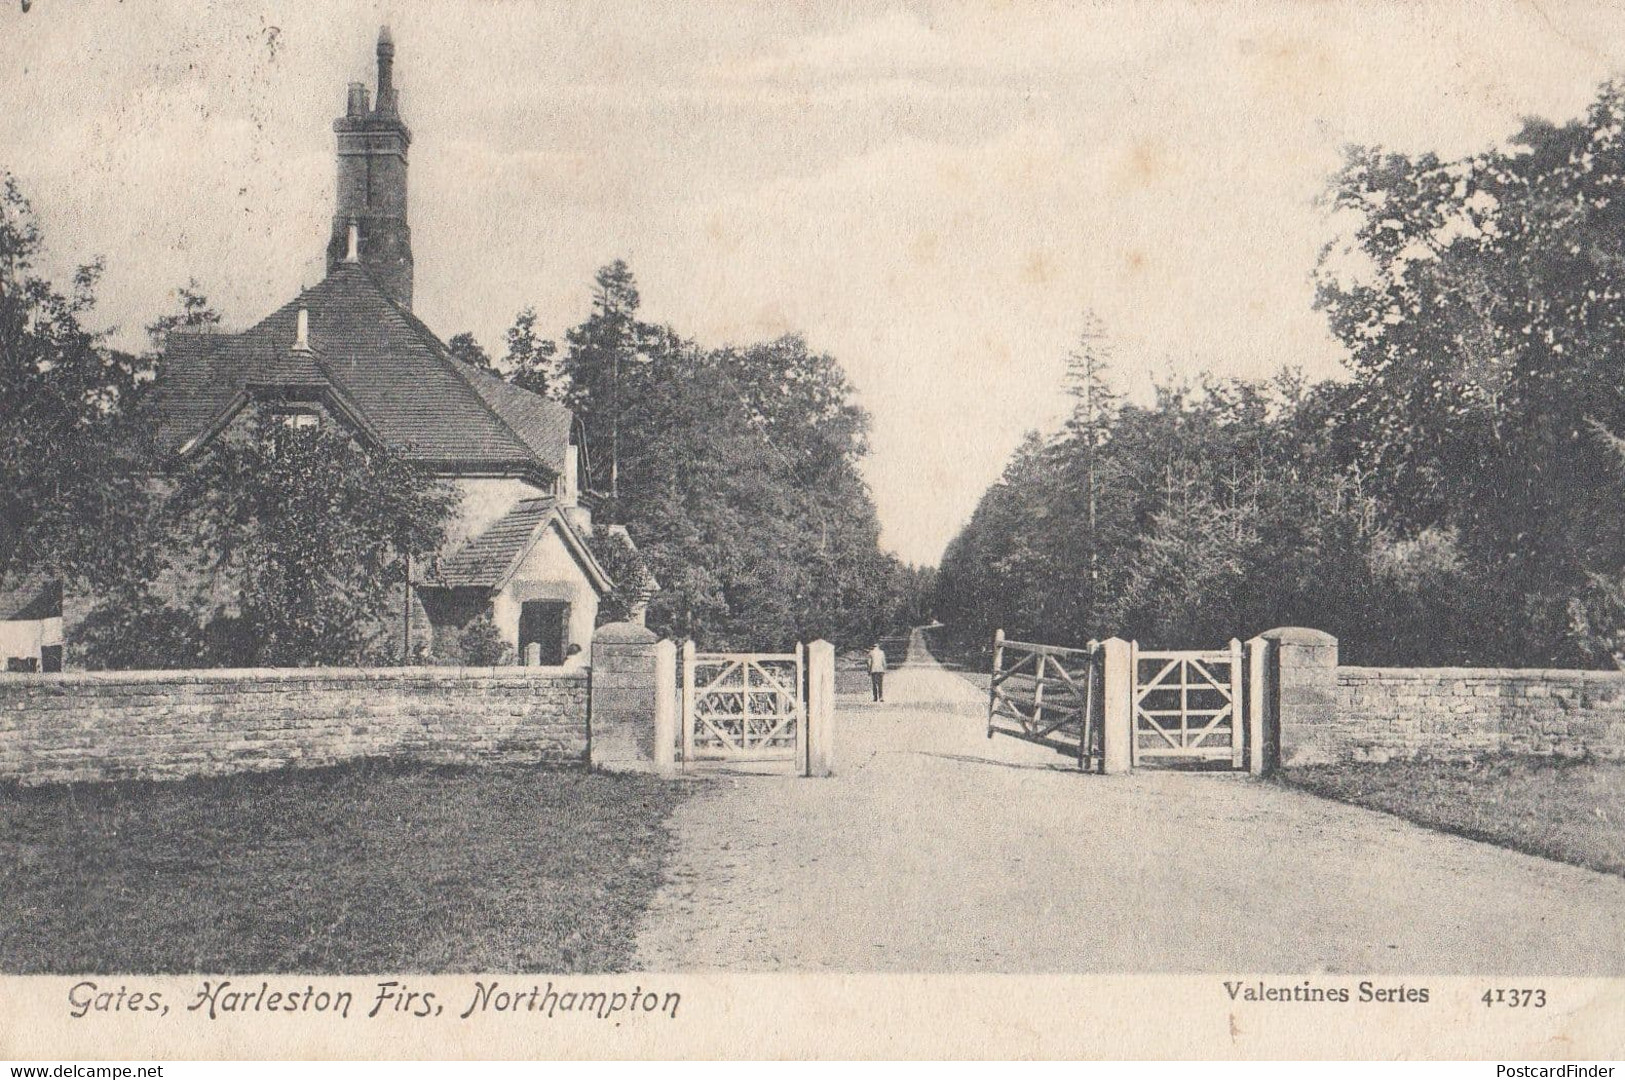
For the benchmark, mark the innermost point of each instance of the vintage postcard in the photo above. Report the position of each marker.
(823, 530)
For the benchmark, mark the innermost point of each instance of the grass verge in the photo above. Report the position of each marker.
(1571, 811)
(363, 868)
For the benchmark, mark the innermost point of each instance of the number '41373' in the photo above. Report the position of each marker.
(1515, 999)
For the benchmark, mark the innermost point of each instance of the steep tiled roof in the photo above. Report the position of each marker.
(543, 424)
(34, 596)
(382, 362)
(292, 367)
(487, 559)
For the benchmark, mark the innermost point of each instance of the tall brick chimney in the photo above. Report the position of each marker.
(372, 146)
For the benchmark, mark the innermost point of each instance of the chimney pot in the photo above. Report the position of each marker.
(358, 100)
(386, 65)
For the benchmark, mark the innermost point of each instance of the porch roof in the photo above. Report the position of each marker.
(490, 559)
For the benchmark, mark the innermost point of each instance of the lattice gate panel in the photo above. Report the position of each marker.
(744, 706)
(1188, 704)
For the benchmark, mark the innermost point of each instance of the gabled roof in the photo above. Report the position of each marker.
(381, 362)
(292, 367)
(33, 596)
(491, 558)
(541, 423)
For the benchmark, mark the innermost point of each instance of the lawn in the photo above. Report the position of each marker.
(365, 868)
(1572, 811)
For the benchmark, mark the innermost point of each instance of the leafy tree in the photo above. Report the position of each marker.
(465, 348)
(288, 546)
(1597, 611)
(69, 439)
(132, 628)
(601, 358)
(1223, 511)
(531, 361)
(1482, 302)
(195, 313)
(482, 644)
(916, 590)
(1449, 504)
(735, 472)
(994, 573)
(627, 567)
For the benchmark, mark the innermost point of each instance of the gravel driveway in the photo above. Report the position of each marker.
(934, 849)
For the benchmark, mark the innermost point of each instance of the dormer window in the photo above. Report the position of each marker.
(286, 425)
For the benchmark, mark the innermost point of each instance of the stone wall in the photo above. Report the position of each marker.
(173, 724)
(1398, 713)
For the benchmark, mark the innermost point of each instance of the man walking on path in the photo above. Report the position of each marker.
(877, 671)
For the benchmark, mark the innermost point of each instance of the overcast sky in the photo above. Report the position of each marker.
(934, 193)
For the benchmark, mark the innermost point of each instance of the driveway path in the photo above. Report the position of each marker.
(934, 849)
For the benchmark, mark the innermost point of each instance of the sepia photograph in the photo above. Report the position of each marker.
(537, 529)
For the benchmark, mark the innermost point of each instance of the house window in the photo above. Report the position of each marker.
(299, 421)
(543, 623)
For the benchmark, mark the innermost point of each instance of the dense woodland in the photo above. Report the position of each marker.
(1457, 499)
(734, 469)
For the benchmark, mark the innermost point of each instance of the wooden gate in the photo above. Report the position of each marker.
(1187, 704)
(1048, 695)
(745, 706)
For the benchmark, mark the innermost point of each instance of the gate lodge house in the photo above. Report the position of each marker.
(349, 352)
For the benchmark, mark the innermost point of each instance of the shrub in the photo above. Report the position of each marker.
(139, 631)
(481, 644)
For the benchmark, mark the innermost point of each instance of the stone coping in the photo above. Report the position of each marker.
(311, 674)
(1501, 674)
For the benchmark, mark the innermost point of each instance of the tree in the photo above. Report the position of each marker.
(735, 471)
(601, 356)
(289, 546)
(195, 313)
(482, 644)
(627, 567)
(70, 440)
(464, 347)
(1482, 302)
(1094, 406)
(1221, 511)
(1597, 612)
(531, 361)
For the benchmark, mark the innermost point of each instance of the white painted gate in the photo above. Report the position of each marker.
(1187, 704)
(745, 707)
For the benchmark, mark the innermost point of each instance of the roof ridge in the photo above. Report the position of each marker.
(511, 387)
(388, 366)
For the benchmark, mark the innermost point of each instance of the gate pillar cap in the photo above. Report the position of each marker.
(1299, 635)
(625, 633)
